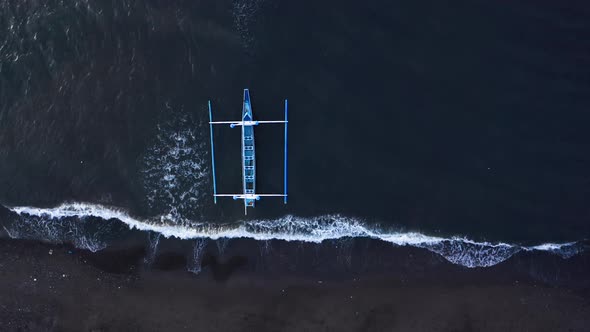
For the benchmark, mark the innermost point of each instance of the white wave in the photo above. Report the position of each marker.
(458, 250)
(56, 229)
(472, 254)
(565, 250)
(551, 246)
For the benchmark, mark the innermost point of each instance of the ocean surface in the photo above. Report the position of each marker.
(460, 128)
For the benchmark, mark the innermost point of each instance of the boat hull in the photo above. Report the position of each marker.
(248, 152)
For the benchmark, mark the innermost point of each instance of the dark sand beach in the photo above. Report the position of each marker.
(57, 288)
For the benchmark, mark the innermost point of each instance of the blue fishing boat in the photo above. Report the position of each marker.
(247, 123)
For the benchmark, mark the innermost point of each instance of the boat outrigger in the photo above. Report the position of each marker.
(248, 195)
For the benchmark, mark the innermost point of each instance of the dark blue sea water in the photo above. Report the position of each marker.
(456, 127)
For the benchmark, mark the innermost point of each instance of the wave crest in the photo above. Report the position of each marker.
(460, 251)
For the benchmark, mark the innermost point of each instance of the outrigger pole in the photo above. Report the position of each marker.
(212, 154)
(285, 170)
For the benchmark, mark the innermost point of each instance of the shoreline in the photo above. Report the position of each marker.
(98, 234)
(59, 288)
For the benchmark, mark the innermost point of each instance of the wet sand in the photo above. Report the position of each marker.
(55, 288)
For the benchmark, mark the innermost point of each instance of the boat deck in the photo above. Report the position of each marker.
(248, 152)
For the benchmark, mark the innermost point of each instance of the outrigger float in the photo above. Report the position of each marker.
(248, 195)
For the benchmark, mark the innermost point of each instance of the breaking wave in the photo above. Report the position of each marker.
(80, 231)
(457, 250)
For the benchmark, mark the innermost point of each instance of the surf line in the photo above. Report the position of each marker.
(458, 250)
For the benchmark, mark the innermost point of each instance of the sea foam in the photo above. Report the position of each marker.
(457, 250)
